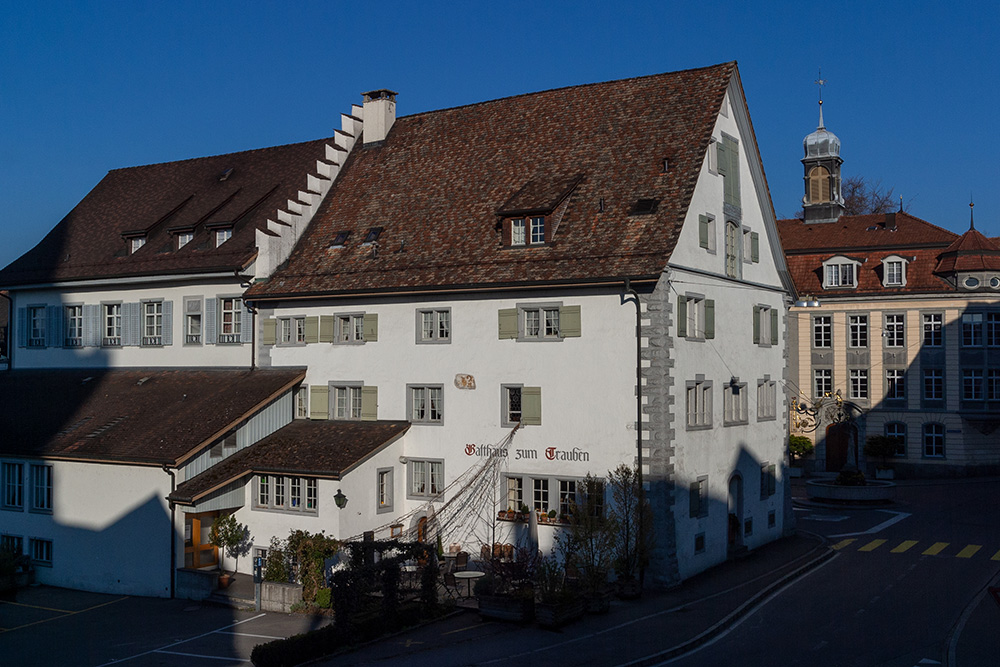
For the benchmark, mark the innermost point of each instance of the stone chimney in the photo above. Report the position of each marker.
(379, 115)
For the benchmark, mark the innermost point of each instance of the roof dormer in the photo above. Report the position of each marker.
(894, 271)
(841, 272)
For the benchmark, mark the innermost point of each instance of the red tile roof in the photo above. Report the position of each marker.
(310, 448)
(439, 180)
(88, 243)
(152, 417)
(970, 252)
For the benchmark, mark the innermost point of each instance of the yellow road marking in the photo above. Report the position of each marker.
(936, 548)
(35, 606)
(969, 551)
(872, 546)
(996, 556)
(903, 546)
(64, 613)
(841, 544)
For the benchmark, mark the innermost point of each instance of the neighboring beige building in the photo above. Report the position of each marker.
(903, 322)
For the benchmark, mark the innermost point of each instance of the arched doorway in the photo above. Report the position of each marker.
(735, 518)
(839, 438)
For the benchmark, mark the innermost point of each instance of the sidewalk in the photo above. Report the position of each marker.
(642, 632)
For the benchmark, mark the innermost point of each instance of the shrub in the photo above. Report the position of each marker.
(799, 446)
(323, 598)
(850, 478)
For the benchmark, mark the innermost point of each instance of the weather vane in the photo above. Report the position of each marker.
(820, 82)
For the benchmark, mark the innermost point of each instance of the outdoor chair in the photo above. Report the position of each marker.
(507, 552)
(461, 560)
(450, 584)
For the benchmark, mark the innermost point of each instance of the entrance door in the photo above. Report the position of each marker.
(838, 438)
(198, 552)
(735, 522)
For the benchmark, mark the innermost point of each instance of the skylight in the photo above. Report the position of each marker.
(340, 239)
(644, 206)
(372, 235)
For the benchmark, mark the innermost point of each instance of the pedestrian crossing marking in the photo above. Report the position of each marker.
(969, 551)
(936, 548)
(841, 544)
(996, 556)
(873, 545)
(903, 546)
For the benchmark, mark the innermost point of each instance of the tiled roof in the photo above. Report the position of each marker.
(190, 194)
(806, 271)
(857, 232)
(440, 179)
(129, 416)
(970, 252)
(312, 448)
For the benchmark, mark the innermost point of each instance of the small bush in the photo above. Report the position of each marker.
(323, 599)
(850, 478)
(799, 446)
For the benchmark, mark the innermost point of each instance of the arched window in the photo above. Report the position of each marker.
(819, 185)
(934, 440)
(897, 431)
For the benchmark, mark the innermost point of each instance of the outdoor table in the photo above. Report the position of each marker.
(469, 575)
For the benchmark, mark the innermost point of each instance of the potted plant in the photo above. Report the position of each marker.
(231, 538)
(882, 447)
(555, 603)
(552, 516)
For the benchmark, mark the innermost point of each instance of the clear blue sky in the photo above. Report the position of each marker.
(89, 87)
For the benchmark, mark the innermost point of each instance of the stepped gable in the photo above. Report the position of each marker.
(241, 190)
(441, 184)
(303, 447)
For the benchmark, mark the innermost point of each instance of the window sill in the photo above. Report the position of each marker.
(12, 508)
(698, 427)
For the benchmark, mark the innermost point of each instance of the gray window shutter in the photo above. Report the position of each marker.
(754, 247)
(312, 329)
(131, 324)
(703, 231)
(507, 323)
(774, 326)
(268, 329)
(54, 325)
(732, 172)
(694, 500)
(371, 327)
(326, 323)
(319, 401)
(369, 403)
(709, 318)
(756, 324)
(246, 324)
(92, 325)
(722, 158)
(682, 316)
(168, 322)
(211, 321)
(531, 406)
(22, 327)
(772, 480)
(569, 321)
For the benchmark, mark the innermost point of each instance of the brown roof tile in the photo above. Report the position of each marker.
(88, 243)
(856, 232)
(438, 181)
(970, 252)
(313, 448)
(129, 416)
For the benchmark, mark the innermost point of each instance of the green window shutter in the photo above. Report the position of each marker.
(268, 333)
(569, 321)
(754, 247)
(709, 318)
(722, 157)
(312, 329)
(682, 316)
(772, 480)
(326, 323)
(732, 171)
(371, 327)
(774, 326)
(319, 402)
(694, 500)
(507, 323)
(756, 324)
(369, 403)
(531, 406)
(703, 231)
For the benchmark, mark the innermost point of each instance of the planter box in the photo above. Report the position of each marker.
(504, 608)
(558, 614)
(279, 597)
(872, 492)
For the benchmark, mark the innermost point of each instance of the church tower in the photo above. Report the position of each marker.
(823, 201)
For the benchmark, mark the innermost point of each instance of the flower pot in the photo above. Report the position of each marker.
(516, 609)
(558, 614)
(225, 580)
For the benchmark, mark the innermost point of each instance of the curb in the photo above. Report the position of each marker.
(738, 613)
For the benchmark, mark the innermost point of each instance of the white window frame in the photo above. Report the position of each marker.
(135, 243)
(933, 386)
(695, 322)
(350, 328)
(857, 337)
(301, 400)
(194, 321)
(152, 323)
(73, 325)
(424, 479)
(13, 543)
(992, 329)
(822, 332)
(540, 495)
(230, 320)
(37, 322)
(895, 384)
(897, 429)
(422, 398)
(933, 440)
(993, 384)
(698, 402)
(345, 400)
(933, 328)
(822, 382)
(41, 551)
(111, 324)
(41, 488)
(13, 485)
(859, 384)
(518, 232)
(511, 417)
(973, 328)
(433, 326)
(973, 384)
(223, 235)
(383, 490)
(183, 238)
(270, 488)
(539, 322)
(735, 404)
(291, 331)
(894, 271)
(894, 330)
(840, 273)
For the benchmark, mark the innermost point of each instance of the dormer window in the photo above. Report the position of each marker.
(840, 272)
(136, 242)
(223, 235)
(527, 231)
(893, 271)
(183, 238)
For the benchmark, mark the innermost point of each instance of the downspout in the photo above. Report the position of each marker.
(253, 333)
(173, 515)
(640, 538)
(10, 331)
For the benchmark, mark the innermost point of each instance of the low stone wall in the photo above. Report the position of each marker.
(195, 584)
(279, 597)
(871, 492)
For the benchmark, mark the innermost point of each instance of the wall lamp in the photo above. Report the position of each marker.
(340, 499)
(807, 302)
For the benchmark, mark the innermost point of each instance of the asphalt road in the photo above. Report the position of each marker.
(892, 595)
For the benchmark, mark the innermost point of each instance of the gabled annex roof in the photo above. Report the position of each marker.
(970, 252)
(303, 447)
(146, 417)
(157, 202)
(442, 182)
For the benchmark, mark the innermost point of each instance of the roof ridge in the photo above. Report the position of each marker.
(207, 157)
